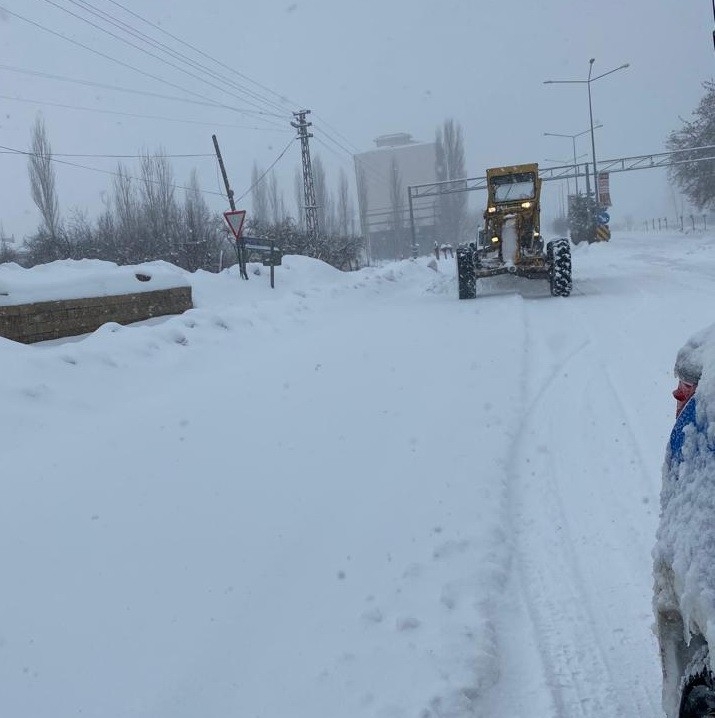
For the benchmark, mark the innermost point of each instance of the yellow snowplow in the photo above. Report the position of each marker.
(510, 241)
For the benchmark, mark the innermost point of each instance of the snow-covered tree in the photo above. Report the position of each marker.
(696, 180)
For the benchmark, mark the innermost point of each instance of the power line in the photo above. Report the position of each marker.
(25, 153)
(126, 27)
(143, 37)
(115, 157)
(272, 165)
(123, 64)
(282, 98)
(157, 57)
(139, 116)
(117, 88)
(340, 135)
(363, 165)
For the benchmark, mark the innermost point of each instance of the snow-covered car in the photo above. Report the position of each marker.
(684, 554)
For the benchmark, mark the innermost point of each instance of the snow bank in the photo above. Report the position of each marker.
(268, 506)
(70, 279)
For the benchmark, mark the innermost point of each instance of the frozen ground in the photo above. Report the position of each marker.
(351, 496)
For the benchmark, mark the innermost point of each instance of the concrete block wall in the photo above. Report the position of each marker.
(28, 323)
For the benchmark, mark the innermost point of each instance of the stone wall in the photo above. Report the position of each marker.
(28, 323)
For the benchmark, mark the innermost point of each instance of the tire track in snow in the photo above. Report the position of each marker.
(559, 661)
(577, 668)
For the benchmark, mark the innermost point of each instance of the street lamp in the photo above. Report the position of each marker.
(573, 141)
(588, 82)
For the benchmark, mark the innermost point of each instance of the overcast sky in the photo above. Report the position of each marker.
(365, 69)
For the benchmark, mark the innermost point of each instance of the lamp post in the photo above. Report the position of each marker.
(573, 141)
(588, 82)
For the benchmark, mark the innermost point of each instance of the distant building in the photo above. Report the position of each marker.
(383, 176)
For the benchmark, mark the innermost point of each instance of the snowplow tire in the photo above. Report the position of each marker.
(466, 276)
(558, 254)
(698, 696)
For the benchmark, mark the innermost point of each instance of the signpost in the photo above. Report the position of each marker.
(603, 231)
(271, 256)
(234, 219)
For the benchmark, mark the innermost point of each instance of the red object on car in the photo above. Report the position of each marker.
(682, 394)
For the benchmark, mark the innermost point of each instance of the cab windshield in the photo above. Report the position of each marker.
(511, 188)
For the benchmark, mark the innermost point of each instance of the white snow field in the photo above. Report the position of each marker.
(351, 496)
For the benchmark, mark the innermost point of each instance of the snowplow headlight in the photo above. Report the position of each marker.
(491, 210)
(495, 240)
(526, 205)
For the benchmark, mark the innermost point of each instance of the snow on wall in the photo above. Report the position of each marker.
(70, 279)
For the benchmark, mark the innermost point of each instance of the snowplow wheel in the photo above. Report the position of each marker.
(698, 697)
(558, 254)
(466, 277)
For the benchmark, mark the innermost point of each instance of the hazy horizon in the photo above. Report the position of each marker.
(363, 69)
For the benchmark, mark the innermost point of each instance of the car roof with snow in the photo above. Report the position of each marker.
(696, 355)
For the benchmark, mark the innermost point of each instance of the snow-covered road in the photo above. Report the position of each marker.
(353, 496)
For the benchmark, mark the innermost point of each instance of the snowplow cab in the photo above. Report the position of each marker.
(513, 212)
(511, 241)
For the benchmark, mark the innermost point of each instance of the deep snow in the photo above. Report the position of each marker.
(353, 495)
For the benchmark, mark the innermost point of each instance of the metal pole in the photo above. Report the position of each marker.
(412, 223)
(593, 139)
(575, 166)
(586, 174)
(232, 204)
(311, 209)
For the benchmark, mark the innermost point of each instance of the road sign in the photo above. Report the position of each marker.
(604, 193)
(603, 217)
(259, 244)
(234, 219)
(603, 233)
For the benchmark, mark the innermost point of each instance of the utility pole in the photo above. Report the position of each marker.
(229, 194)
(311, 208)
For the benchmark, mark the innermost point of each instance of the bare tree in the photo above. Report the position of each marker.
(160, 213)
(397, 211)
(363, 207)
(449, 165)
(322, 198)
(275, 199)
(125, 237)
(259, 196)
(196, 226)
(345, 205)
(7, 253)
(49, 243)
